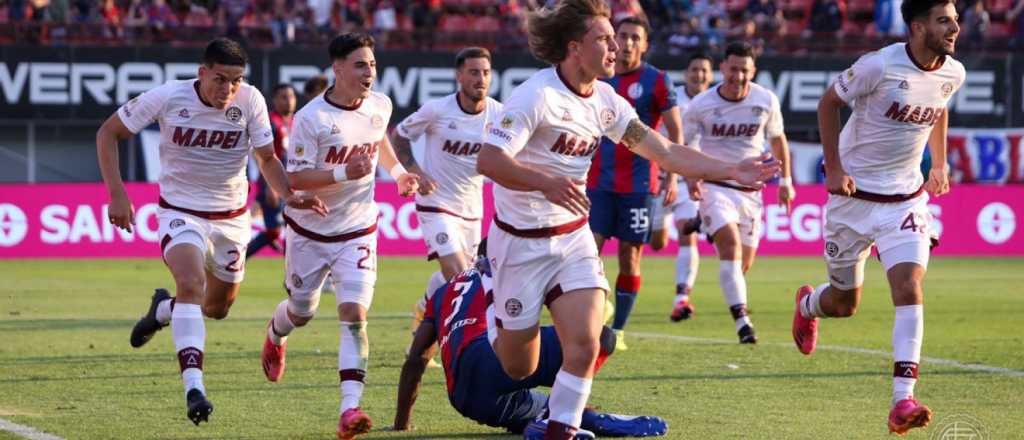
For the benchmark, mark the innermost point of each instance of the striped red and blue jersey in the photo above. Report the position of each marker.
(615, 168)
(459, 314)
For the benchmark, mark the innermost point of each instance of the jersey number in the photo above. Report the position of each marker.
(234, 265)
(462, 288)
(639, 220)
(909, 223)
(366, 262)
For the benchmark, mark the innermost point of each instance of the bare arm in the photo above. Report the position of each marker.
(403, 149)
(121, 213)
(780, 149)
(408, 182)
(273, 172)
(506, 171)
(938, 176)
(674, 127)
(420, 352)
(828, 126)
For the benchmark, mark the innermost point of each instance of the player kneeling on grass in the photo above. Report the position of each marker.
(456, 317)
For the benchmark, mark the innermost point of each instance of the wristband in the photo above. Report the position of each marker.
(339, 174)
(785, 181)
(397, 170)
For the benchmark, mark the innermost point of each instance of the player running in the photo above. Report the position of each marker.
(733, 119)
(541, 248)
(876, 191)
(477, 388)
(621, 185)
(684, 211)
(283, 100)
(338, 139)
(208, 126)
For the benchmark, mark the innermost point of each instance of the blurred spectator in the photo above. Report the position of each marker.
(825, 17)
(15, 10)
(767, 16)
(743, 29)
(489, 23)
(425, 16)
(385, 19)
(112, 15)
(161, 16)
(626, 8)
(230, 14)
(282, 26)
(136, 19)
(83, 11)
(1015, 17)
(685, 39)
(975, 24)
(321, 13)
(714, 35)
(888, 20)
(196, 16)
(707, 10)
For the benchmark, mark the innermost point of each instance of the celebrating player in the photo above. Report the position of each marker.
(733, 119)
(283, 100)
(621, 184)
(876, 191)
(208, 126)
(684, 210)
(338, 139)
(450, 199)
(541, 249)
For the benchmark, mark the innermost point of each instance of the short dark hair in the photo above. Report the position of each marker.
(225, 51)
(699, 56)
(342, 45)
(919, 9)
(471, 52)
(280, 87)
(636, 20)
(740, 49)
(315, 85)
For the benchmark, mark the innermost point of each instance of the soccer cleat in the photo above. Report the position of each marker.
(537, 428)
(620, 340)
(682, 311)
(199, 409)
(273, 357)
(747, 335)
(908, 414)
(353, 422)
(148, 325)
(617, 425)
(805, 331)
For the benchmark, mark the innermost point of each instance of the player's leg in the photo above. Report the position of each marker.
(271, 227)
(687, 259)
(627, 286)
(732, 281)
(578, 319)
(355, 272)
(185, 261)
(659, 223)
(603, 216)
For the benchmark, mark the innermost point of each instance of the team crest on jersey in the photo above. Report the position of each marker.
(513, 307)
(177, 223)
(947, 89)
(183, 114)
(506, 122)
(904, 85)
(234, 114)
(607, 117)
(377, 121)
(296, 280)
(831, 248)
(334, 129)
(441, 238)
(635, 90)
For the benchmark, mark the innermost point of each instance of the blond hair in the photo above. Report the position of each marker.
(551, 28)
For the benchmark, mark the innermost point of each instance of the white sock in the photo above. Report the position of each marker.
(189, 332)
(163, 311)
(353, 355)
(280, 325)
(810, 307)
(492, 326)
(734, 289)
(568, 398)
(687, 262)
(907, 336)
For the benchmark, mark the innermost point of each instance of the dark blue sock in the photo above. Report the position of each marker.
(626, 288)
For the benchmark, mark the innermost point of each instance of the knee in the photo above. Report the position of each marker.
(216, 311)
(908, 288)
(845, 307)
(192, 287)
(299, 321)
(580, 355)
(518, 370)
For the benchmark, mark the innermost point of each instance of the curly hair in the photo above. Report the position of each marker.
(551, 28)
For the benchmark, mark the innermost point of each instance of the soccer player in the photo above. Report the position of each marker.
(313, 87)
(621, 185)
(338, 139)
(684, 210)
(449, 203)
(477, 389)
(733, 119)
(541, 249)
(208, 126)
(876, 191)
(283, 101)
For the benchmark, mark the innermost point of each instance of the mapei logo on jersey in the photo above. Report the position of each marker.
(607, 117)
(201, 137)
(177, 223)
(947, 89)
(914, 114)
(513, 307)
(735, 130)
(340, 154)
(234, 114)
(635, 90)
(461, 148)
(377, 121)
(572, 146)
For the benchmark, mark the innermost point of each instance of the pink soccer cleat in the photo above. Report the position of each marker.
(682, 311)
(805, 331)
(353, 422)
(273, 359)
(908, 414)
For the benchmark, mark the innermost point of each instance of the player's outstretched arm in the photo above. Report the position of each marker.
(121, 212)
(420, 353)
(408, 183)
(836, 179)
(694, 164)
(938, 177)
(497, 165)
(403, 149)
(273, 172)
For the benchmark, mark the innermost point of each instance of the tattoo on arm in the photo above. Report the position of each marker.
(403, 149)
(635, 133)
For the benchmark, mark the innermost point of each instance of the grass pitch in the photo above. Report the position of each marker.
(66, 367)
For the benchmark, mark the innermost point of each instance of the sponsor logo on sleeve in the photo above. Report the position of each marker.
(513, 307)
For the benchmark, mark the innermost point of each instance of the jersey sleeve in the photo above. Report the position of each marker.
(303, 144)
(668, 99)
(622, 113)
(144, 109)
(516, 122)
(418, 123)
(773, 128)
(691, 125)
(261, 134)
(860, 79)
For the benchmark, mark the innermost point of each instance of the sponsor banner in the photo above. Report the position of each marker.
(69, 221)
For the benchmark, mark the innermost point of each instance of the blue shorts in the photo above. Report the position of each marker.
(626, 216)
(271, 213)
(485, 394)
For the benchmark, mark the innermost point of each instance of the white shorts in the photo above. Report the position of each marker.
(683, 208)
(531, 272)
(351, 263)
(722, 206)
(899, 230)
(448, 234)
(223, 241)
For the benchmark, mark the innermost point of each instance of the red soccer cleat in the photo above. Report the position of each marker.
(908, 414)
(805, 331)
(273, 359)
(682, 311)
(353, 422)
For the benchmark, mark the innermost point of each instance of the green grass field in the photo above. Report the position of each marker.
(66, 367)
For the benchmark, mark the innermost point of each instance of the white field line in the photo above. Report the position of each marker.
(26, 431)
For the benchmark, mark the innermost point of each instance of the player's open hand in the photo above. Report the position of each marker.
(359, 165)
(786, 195)
(427, 184)
(695, 189)
(121, 213)
(566, 192)
(305, 201)
(755, 171)
(938, 182)
(408, 183)
(838, 182)
(671, 191)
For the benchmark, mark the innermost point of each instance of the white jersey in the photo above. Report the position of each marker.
(895, 104)
(733, 130)
(453, 139)
(203, 150)
(324, 136)
(549, 127)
